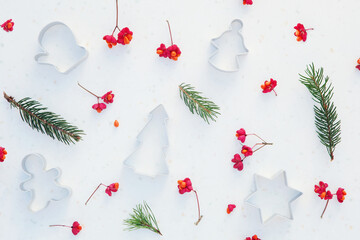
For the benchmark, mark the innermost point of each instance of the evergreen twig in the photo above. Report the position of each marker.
(51, 124)
(328, 127)
(205, 108)
(142, 218)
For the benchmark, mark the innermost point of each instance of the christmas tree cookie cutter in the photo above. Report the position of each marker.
(229, 46)
(273, 197)
(59, 48)
(148, 158)
(42, 184)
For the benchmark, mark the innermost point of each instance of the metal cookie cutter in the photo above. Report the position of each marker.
(149, 158)
(59, 48)
(273, 197)
(42, 185)
(229, 46)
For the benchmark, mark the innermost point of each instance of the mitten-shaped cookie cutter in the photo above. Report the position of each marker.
(59, 48)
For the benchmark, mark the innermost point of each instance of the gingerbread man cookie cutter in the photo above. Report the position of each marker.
(42, 184)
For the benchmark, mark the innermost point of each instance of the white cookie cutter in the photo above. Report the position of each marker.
(148, 159)
(42, 185)
(59, 48)
(229, 46)
(273, 197)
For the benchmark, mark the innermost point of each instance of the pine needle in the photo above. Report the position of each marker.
(51, 124)
(205, 108)
(142, 218)
(328, 127)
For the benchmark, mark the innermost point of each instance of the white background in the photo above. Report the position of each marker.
(141, 80)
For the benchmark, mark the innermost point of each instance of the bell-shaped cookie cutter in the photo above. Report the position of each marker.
(228, 48)
(60, 30)
(42, 184)
(273, 197)
(148, 158)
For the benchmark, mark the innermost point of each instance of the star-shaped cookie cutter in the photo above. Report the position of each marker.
(273, 197)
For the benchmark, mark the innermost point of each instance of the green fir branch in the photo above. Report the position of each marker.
(142, 218)
(205, 108)
(328, 127)
(51, 124)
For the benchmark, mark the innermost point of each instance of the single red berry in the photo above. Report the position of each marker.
(247, 151)
(3, 153)
(340, 193)
(162, 51)
(238, 162)
(110, 40)
(241, 135)
(185, 186)
(76, 228)
(125, 36)
(8, 26)
(99, 107)
(108, 97)
(230, 208)
(301, 32)
(269, 86)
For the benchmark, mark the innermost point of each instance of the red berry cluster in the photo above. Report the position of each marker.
(246, 150)
(124, 37)
(114, 187)
(107, 98)
(325, 194)
(173, 52)
(185, 186)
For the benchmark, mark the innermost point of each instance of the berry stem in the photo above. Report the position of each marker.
(275, 92)
(198, 204)
(256, 136)
(172, 43)
(60, 226)
(89, 91)
(95, 191)
(117, 13)
(309, 29)
(117, 18)
(263, 145)
(327, 202)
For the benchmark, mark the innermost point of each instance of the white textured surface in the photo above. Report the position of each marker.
(197, 150)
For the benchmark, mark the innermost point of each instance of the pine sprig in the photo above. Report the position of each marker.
(51, 124)
(328, 127)
(142, 218)
(205, 108)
